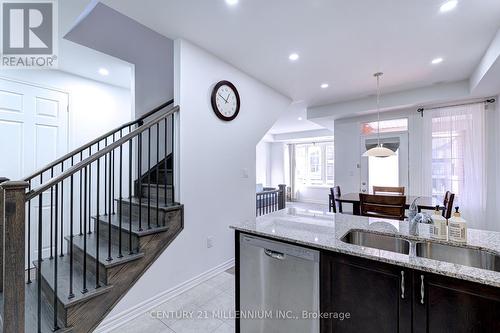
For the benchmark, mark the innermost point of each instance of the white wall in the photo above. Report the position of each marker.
(277, 164)
(95, 107)
(263, 163)
(150, 52)
(217, 169)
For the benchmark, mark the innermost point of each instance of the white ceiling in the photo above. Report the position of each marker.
(340, 42)
(294, 120)
(85, 62)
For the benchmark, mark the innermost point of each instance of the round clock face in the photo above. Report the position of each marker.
(225, 100)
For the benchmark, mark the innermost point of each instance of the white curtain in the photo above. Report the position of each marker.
(420, 171)
(459, 155)
(291, 171)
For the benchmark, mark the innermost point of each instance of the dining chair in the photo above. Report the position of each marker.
(388, 189)
(334, 205)
(448, 204)
(383, 206)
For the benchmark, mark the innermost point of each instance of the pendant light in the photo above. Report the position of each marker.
(379, 150)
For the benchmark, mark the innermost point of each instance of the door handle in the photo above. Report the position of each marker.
(422, 290)
(274, 254)
(402, 284)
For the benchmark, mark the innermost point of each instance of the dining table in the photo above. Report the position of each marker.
(428, 203)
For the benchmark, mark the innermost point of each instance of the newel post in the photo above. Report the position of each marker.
(14, 255)
(2, 179)
(282, 196)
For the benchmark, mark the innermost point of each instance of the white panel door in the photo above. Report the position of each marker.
(33, 133)
(33, 127)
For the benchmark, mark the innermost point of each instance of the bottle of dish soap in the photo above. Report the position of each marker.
(457, 228)
(438, 229)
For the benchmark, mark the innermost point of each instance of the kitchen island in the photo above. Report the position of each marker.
(384, 277)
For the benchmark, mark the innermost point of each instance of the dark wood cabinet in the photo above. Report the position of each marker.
(443, 304)
(376, 295)
(372, 292)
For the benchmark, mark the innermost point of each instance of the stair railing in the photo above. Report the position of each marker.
(270, 200)
(87, 149)
(118, 163)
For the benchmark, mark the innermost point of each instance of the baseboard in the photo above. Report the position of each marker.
(119, 319)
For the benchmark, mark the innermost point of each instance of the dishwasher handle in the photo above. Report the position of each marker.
(274, 254)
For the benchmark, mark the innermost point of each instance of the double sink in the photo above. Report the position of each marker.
(466, 256)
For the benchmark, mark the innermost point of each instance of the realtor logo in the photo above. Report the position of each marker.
(29, 34)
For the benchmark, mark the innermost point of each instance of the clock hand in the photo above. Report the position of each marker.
(222, 97)
(227, 99)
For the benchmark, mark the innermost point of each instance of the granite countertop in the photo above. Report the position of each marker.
(324, 231)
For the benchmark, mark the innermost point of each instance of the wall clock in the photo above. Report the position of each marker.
(225, 100)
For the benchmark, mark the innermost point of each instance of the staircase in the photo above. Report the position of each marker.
(88, 234)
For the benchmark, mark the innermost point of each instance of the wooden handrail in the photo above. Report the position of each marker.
(99, 139)
(82, 164)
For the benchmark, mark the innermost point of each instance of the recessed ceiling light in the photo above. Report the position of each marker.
(103, 71)
(293, 56)
(299, 118)
(437, 61)
(232, 2)
(448, 5)
(324, 85)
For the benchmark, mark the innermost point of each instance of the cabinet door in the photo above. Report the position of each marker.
(443, 304)
(376, 295)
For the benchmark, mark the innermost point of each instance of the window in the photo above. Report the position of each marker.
(314, 163)
(386, 126)
(447, 156)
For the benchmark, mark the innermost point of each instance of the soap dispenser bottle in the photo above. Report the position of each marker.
(438, 229)
(457, 228)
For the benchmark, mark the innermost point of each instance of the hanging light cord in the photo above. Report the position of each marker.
(378, 75)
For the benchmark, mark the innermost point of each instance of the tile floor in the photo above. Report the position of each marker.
(206, 308)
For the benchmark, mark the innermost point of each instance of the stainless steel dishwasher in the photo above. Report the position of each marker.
(279, 287)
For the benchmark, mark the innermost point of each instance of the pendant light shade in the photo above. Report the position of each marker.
(379, 150)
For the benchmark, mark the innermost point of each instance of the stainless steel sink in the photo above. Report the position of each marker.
(377, 241)
(459, 255)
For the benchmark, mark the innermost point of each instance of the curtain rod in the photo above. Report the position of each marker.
(486, 101)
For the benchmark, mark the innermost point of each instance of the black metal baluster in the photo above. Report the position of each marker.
(29, 236)
(173, 166)
(84, 275)
(109, 208)
(62, 213)
(39, 270)
(130, 196)
(166, 154)
(71, 294)
(149, 178)
(81, 189)
(89, 217)
(97, 221)
(51, 213)
(113, 178)
(158, 174)
(105, 179)
(120, 207)
(54, 306)
(139, 178)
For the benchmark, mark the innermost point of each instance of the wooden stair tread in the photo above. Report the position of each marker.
(153, 185)
(63, 273)
(78, 241)
(115, 223)
(144, 202)
(31, 316)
